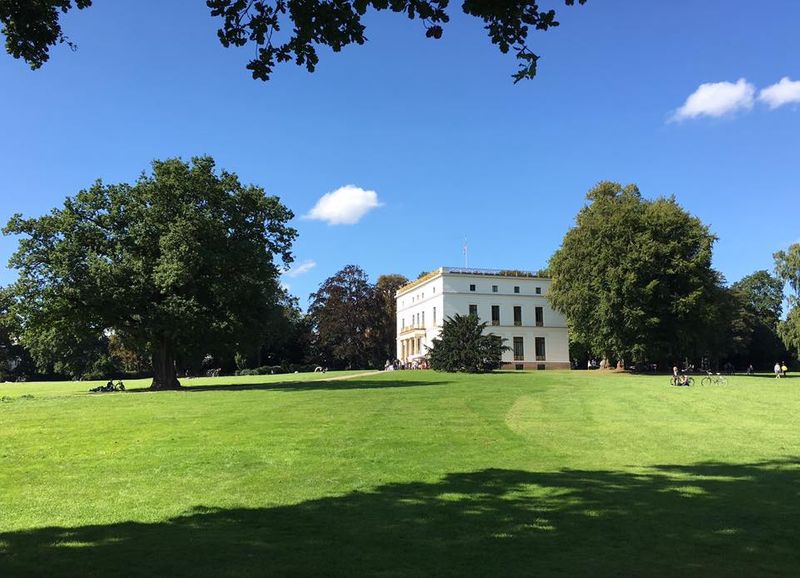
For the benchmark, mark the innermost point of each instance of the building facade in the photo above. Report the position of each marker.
(512, 303)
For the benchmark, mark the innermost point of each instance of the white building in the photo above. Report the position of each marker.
(513, 303)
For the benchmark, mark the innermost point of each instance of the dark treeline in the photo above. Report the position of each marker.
(350, 324)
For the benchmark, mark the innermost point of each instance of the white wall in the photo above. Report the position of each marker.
(420, 303)
(451, 295)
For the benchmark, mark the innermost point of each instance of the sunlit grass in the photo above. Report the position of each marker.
(548, 473)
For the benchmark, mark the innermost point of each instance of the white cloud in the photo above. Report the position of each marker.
(344, 206)
(786, 91)
(301, 268)
(717, 99)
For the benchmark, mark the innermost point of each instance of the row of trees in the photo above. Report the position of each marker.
(350, 324)
(178, 273)
(634, 278)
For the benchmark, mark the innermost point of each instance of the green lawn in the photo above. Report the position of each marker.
(403, 473)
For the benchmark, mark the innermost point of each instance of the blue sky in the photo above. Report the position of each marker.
(436, 129)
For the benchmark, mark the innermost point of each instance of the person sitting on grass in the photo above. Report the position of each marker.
(678, 377)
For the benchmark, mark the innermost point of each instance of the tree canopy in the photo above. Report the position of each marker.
(758, 299)
(345, 320)
(763, 294)
(31, 28)
(634, 277)
(463, 346)
(354, 322)
(385, 290)
(787, 267)
(184, 261)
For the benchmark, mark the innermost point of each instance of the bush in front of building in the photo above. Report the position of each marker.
(463, 347)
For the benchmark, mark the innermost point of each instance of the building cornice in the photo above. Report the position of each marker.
(472, 272)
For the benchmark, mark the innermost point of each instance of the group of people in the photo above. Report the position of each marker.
(680, 378)
(110, 386)
(602, 364)
(393, 365)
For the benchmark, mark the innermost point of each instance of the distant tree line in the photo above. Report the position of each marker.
(178, 274)
(635, 281)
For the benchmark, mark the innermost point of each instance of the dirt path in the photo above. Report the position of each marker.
(340, 377)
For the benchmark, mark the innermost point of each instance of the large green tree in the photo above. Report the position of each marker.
(787, 267)
(464, 346)
(346, 321)
(285, 339)
(184, 261)
(385, 295)
(760, 303)
(32, 27)
(15, 361)
(634, 278)
(763, 294)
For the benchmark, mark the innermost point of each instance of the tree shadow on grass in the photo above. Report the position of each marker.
(711, 519)
(314, 385)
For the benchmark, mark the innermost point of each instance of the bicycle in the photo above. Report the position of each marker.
(713, 379)
(676, 380)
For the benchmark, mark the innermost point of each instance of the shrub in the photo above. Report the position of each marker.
(462, 346)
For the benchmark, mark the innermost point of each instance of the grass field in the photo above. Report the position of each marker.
(403, 473)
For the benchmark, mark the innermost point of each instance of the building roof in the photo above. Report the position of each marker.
(472, 272)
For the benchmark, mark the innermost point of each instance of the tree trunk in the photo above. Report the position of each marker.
(164, 375)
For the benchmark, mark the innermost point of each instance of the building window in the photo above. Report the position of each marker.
(539, 316)
(473, 310)
(472, 287)
(516, 288)
(538, 290)
(423, 319)
(495, 315)
(517, 315)
(494, 288)
(540, 355)
(434, 316)
(519, 350)
(402, 323)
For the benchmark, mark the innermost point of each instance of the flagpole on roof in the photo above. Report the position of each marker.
(466, 254)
